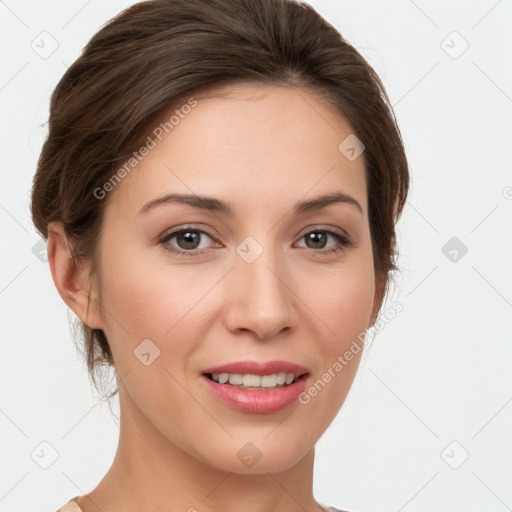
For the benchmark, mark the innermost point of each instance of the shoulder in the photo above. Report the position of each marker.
(71, 506)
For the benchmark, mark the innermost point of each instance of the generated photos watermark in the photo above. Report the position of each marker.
(343, 360)
(151, 143)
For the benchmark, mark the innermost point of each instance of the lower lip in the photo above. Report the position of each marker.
(256, 401)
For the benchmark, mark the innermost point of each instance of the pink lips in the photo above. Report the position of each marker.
(257, 401)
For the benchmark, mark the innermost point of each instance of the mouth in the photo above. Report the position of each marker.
(256, 374)
(256, 387)
(256, 399)
(254, 382)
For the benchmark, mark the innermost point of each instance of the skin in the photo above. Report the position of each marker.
(262, 150)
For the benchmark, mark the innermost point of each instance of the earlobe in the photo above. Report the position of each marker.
(71, 279)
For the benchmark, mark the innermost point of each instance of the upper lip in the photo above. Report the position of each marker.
(258, 368)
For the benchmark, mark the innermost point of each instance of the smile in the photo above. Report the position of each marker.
(255, 382)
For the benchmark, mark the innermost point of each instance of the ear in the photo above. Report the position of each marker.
(72, 278)
(380, 289)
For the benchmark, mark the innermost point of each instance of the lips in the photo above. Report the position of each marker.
(258, 368)
(259, 399)
(256, 402)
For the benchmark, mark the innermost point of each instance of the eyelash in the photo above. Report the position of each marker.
(343, 241)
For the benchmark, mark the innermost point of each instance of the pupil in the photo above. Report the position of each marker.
(317, 238)
(190, 239)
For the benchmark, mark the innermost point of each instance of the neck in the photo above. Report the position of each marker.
(149, 472)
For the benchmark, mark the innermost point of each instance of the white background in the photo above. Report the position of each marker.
(438, 373)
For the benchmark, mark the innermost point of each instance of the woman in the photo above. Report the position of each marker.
(219, 190)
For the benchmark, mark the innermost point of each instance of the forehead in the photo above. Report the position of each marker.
(252, 144)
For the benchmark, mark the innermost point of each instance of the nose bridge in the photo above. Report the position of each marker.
(260, 300)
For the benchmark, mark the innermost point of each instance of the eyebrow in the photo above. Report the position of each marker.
(217, 206)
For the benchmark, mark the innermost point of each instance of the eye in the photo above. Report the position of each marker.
(189, 241)
(317, 240)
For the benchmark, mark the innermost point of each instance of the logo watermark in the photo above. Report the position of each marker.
(137, 156)
(343, 360)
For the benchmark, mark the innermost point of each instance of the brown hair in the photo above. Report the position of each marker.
(159, 51)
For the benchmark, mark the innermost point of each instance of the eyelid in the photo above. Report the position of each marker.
(322, 227)
(172, 232)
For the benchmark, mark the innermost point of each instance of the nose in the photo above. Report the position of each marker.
(260, 298)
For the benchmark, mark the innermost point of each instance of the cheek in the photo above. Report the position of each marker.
(137, 294)
(132, 296)
(149, 319)
(344, 304)
(344, 300)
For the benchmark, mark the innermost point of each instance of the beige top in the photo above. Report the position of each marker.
(72, 506)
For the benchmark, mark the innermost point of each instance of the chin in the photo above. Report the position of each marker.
(257, 457)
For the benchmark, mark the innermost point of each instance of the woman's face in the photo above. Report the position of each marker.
(268, 281)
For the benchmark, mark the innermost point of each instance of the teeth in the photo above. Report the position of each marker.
(289, 378)
(254, 381)
(235, 378)
(251, 380)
